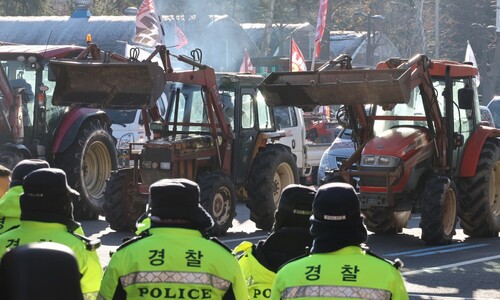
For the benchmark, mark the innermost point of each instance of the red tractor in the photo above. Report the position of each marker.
(421, 143)
(77, 140)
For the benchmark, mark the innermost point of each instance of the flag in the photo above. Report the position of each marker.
(320, 27)
(297, 61)
(470, 57)
(180, 39)
(148, 25)
(246, 65)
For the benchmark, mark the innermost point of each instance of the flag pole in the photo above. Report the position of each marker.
(290, 56)
(314, 57)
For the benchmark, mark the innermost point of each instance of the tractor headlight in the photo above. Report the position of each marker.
(385, 161)
(125, 140)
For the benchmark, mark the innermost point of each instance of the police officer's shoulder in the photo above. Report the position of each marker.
(220, 243)
(90, 244)
(130, 241)
(397, 263)
(293, 259)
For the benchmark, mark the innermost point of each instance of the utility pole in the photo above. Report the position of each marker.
(489, 90)
(436, 29)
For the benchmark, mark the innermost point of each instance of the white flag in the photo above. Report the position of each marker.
(148, 25)
(470, 57)
(246, 64)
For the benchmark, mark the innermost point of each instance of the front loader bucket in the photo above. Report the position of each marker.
(123, 85)
(312, 88)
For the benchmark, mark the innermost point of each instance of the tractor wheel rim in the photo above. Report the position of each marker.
(449, 211)
(221, 206)
(494, 189)
(96, 164)
(282, 177)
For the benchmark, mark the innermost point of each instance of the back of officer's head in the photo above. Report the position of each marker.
(24, 167)
(177, 201)
(47, 197)
(336, 221)
(295, 207)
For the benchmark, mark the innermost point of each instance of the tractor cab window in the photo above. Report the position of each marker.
(188, 114)
(264, 113)
(227, 101)
(247, 111)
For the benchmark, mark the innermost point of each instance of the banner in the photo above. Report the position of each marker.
(320, 26)
(297, 61)
(180, 38)
(246, 65)
(148, 25)
(470, 57)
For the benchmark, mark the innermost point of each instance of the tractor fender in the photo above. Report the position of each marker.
(473, 149)
(67, 130)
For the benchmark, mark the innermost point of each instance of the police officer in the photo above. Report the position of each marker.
(339, 267)
(289, 238)
(5, 174)
(173, 259)
(47, 215)
(10, 211)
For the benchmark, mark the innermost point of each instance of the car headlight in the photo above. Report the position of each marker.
(385, 161)
(125, 140)
(324, 163)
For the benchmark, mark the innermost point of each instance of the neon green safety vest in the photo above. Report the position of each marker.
(88, 260)
(349, 273)
(172, 263)
(10, 209)
(258, 278)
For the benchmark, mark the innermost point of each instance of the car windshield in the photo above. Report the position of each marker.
(121, 116)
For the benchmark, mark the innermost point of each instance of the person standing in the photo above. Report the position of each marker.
(47, 215)
(10, 210)
(5, 174)
(173, 259)
(289, 239)
(340, 266)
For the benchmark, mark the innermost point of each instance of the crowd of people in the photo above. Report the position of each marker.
(316, 248)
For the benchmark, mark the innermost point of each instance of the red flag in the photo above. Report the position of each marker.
(320, 27)
(180, 39)
(246, 65)
(297, 61)
(148, 25)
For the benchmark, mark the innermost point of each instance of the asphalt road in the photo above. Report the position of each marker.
(466, 269)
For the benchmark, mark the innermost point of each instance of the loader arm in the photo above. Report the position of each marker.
(7, 104)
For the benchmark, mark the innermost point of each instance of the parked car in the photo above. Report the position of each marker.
(341, 148)
(494, 107)
(486, 116)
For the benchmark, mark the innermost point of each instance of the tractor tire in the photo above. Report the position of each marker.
(479, 205)
(88, 162)
(383, 220)
(123, 204)
(273, 169)
(438, 211)
(218, 197)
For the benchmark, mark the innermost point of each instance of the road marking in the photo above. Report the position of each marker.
(439, 268)
(431, 297)
(435, 250)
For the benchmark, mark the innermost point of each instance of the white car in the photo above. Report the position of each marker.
(128, 127)
(341, 148)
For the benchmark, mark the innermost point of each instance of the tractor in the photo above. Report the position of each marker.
(420, 142)
(218, 131)
(73, 138)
